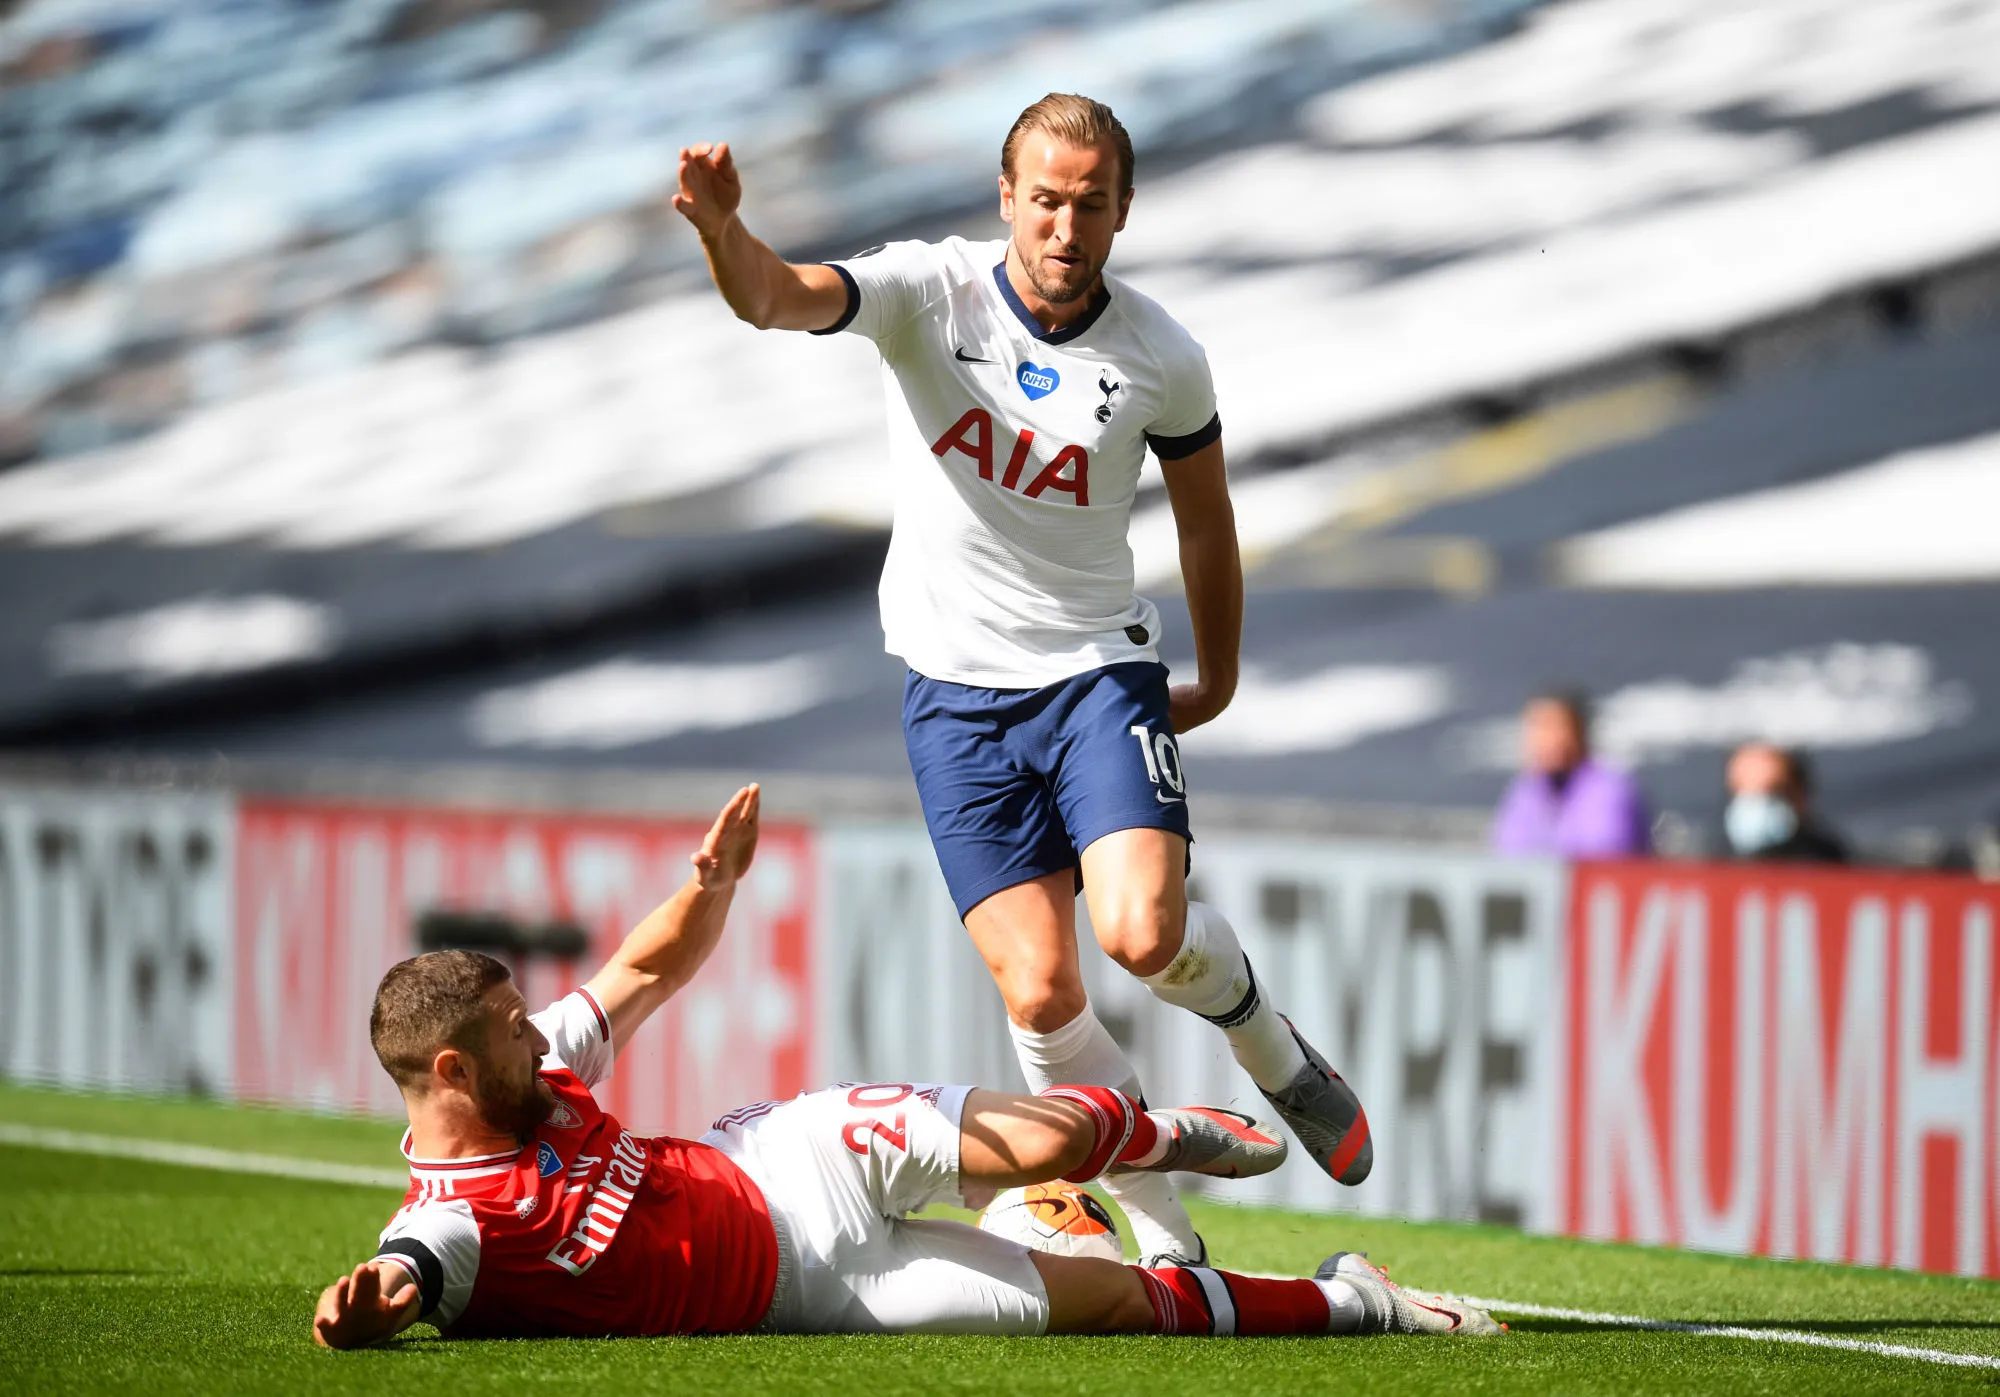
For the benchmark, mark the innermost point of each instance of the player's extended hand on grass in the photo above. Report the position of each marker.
(710, 188)
(725, 854)
(356, 1311)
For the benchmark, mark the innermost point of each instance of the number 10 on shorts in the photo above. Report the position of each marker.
(1163, 763)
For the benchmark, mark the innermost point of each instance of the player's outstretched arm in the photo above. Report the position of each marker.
(760, 286)
(376, 1302)
(1212, 572)
(664, 951)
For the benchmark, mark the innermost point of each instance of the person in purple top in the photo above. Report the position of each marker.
(1567, 802)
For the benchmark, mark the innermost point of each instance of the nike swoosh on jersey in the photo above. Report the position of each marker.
(964, 358)
(1165, 799)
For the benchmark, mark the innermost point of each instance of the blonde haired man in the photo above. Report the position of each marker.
(1025, 386)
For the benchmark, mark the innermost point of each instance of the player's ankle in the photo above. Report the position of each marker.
(1265, 1048)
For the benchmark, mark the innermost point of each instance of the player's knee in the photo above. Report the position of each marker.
(1040, 1002)
(1090, 1296)
(1143, 937)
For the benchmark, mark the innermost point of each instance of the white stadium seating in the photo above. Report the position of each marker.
(1559, 198)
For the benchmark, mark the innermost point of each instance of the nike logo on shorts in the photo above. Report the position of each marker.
(964, 358)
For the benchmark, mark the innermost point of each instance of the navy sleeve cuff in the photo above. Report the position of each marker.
(1174, 448)
(430, 1272)
(853, 301)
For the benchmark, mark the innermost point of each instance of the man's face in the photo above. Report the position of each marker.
(1551, 739)
(506, 1085)
(1065, 206)
(1760, 770)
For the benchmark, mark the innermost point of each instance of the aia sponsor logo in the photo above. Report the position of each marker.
(1067, 471)
(565, 1116)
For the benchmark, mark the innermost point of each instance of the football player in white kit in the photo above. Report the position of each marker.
(1025, 386)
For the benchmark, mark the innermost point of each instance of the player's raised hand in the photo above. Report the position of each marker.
(358, 1310)
(710, 188)
(732, 840)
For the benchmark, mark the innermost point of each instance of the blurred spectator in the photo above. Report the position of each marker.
(1566, 802)
(1982, 847)
(1770, 816)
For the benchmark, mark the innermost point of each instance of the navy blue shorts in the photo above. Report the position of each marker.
(1015, 782)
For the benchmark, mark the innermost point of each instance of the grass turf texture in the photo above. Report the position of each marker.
(120, 1275)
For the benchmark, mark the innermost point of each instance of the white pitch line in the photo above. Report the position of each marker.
(201, 1157)
(1733, 1331)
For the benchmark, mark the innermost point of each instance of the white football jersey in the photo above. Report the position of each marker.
(1016, 455)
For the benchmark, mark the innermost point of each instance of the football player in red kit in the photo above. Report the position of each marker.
(533, 1212)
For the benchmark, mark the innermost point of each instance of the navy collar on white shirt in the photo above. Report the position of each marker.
(1062, 335)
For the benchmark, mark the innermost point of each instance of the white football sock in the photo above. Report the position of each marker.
(1161, 1144)
(1345, 1314)
(1211, 977)
(1083, 1053)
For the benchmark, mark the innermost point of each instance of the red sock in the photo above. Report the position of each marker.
(1198, 1300)
(1124, 1130)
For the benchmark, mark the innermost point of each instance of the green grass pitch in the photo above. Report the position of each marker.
(118, 1275)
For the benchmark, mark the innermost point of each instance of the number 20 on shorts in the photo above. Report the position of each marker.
(878, 1098)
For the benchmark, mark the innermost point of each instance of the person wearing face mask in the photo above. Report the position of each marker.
(1565, 801)
(1769, 817)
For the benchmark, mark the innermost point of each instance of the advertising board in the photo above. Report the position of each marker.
(328, 897)
(115, 952)
(1786, 1062)
(1429, 978)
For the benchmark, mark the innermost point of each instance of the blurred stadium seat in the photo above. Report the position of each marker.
(360, 350)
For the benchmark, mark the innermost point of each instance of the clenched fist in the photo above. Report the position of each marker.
(710, 188)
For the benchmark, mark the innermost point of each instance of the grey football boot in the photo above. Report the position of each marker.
(1326, 1115)
(1208, 1140)
(1394, 1310)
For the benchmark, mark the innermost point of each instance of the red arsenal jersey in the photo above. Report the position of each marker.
(586, 1229)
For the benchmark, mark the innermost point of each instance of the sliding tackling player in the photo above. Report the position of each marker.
(1025, 386)
(531, 1211)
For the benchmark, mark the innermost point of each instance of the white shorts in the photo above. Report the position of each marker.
(841, 1169)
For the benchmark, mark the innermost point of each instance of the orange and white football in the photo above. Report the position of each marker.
(1055, 1217)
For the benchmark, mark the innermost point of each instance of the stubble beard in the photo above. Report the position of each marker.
(1064, 290)
(515, 1108)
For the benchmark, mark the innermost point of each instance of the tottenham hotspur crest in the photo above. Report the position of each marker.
(1107, 388)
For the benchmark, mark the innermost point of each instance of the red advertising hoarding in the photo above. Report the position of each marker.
(328, 896)
(1785, 1062)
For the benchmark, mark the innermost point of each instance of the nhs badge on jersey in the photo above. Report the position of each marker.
(547, 1162)
(1036, 381)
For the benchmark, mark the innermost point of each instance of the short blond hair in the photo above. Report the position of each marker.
(1074, 120)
